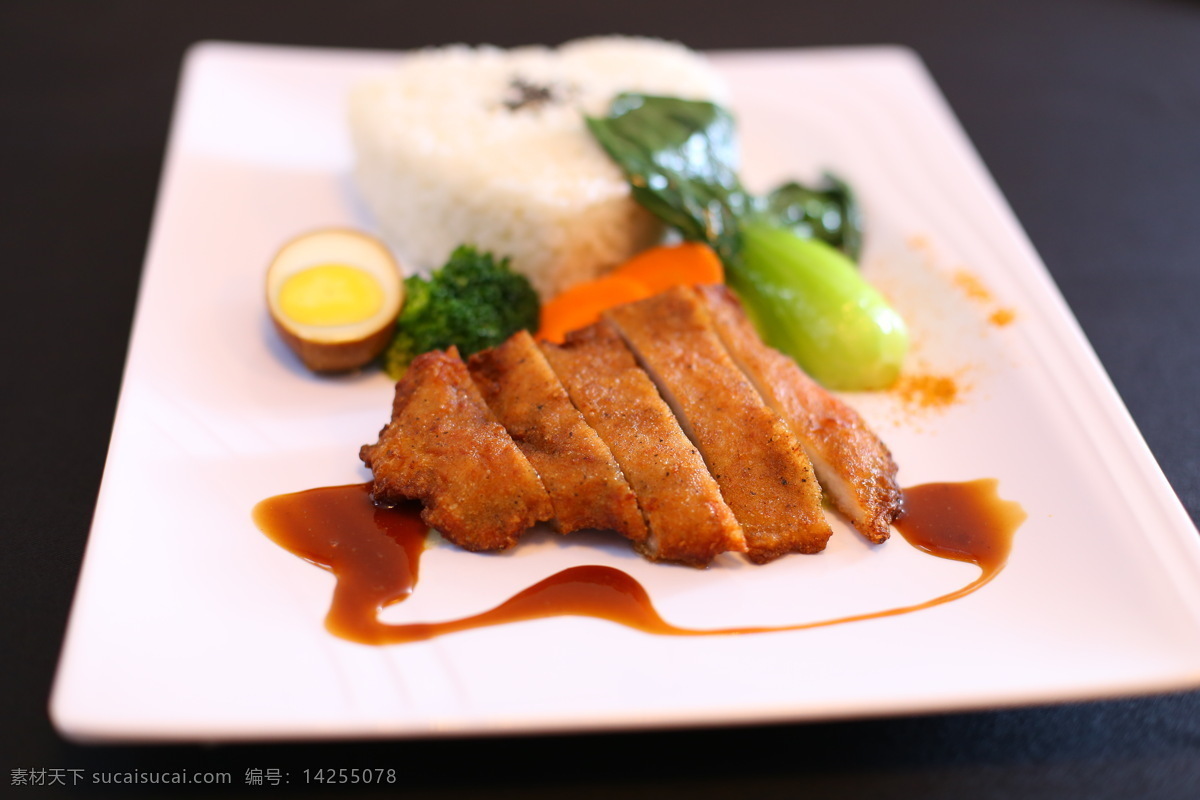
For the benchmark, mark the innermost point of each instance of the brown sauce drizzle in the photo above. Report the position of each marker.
(374, 553)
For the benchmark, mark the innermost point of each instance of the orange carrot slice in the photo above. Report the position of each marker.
(687, 264)
(582, 304)
(648, 273)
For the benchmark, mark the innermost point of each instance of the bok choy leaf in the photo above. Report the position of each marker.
(789, 255)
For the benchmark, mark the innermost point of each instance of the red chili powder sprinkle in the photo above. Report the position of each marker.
(1002, 316)
(971, 286)
(927, 391)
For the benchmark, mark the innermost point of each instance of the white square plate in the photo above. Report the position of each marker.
(190, 624)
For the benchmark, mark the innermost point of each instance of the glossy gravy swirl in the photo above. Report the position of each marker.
(375, 554)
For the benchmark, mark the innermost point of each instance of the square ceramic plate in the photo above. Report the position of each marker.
(190, 624)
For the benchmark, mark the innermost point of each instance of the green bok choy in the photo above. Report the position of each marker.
(789, 255)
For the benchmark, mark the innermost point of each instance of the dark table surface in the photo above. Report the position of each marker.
(1086, 113)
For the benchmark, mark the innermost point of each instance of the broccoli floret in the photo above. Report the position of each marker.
(474, 302)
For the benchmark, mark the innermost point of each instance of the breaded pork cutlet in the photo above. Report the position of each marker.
(586, 486)
(688, 520)
(852, 464)
(761, 468)
(444, 447)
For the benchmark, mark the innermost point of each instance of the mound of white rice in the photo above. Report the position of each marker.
(488, 147)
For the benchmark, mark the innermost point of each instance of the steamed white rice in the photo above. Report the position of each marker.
(443, 157)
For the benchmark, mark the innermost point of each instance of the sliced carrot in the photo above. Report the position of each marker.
(684, 264)
(648, 273)
(582, 304)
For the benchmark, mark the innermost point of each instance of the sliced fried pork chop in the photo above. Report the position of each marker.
(762, 470)
(688, 520)
(585, 483)
(852, 464)
(445, 448)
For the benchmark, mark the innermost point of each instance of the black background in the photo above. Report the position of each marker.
(1086, 113)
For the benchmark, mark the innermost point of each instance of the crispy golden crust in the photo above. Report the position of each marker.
(585, 483)
(764, 475)
(853, 465)
(445, 448)
(688, 520)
